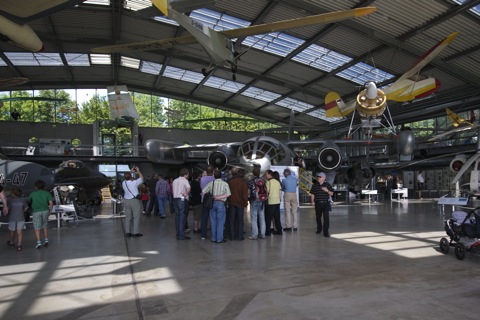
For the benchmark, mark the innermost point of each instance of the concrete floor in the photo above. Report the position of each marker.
(382, 262)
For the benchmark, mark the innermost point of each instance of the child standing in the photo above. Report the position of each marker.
(144, 196)
(42, 204)
(16, 221)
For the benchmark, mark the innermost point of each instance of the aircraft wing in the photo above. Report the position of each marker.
(27, 10)
(240, 32)
(428, 57)
(450, 132)
(299, 22)
(146, 45)
(4, 83)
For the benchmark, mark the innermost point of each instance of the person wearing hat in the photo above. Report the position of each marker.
(320, 195)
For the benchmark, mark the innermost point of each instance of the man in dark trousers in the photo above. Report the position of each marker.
(320, 195)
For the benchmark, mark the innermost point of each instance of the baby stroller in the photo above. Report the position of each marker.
(463, 229)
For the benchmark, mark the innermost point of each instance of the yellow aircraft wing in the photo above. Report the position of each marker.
(240, 32)
(299, 22)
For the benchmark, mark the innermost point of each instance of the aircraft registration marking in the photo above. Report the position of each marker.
(18, 179)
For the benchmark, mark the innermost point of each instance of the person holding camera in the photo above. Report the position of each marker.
(132, 203)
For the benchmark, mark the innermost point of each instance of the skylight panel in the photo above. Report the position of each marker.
(218, 21)
(99, 2)
(34, 59)
(277, 43)
(294, 104)
(150, 67)
(136, 5)
(223, 84)
(320, 114)
(77, 59)
(99, 58)
(260, 94)
(321, 58)
(165, 20)
(361, 73)
(475, 10)
(182, 74)
(130, 62)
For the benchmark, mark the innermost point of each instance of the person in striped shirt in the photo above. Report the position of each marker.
(220, 191)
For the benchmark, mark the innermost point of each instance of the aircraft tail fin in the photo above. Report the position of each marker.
(334, 106)
(161, 5)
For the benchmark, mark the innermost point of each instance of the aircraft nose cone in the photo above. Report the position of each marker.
(371, 92)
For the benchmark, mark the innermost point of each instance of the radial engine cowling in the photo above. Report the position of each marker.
(221, 157)
(371, 102)
(457, 163)
(329, 157)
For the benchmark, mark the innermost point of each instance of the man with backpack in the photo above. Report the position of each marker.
(258, 196)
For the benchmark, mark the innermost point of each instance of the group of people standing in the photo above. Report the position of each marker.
(230, 202)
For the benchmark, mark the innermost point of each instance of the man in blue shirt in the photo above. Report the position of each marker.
(289, 187)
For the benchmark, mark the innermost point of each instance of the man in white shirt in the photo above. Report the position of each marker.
(132, 204)
(181, 190)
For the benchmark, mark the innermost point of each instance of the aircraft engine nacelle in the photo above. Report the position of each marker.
(221, 157)
(457, 163)
(406, 145)
(21, 35)
(160, 151)
(371, 102)
(329, 157)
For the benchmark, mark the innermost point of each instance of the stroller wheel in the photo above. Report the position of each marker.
(460, 251)
(444, 246)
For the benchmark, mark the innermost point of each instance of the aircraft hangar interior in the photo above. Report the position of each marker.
(379, 97)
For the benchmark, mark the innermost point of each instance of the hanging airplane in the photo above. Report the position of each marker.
(217, 44)
(459, 124)
(14, 16)
(371, 103)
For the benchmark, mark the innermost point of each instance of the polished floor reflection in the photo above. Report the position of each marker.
(381, 262)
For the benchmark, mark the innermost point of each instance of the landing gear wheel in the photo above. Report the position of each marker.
(204, 72)
(460, 251)
(444, 246)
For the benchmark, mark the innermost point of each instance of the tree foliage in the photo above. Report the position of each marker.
(151, 110)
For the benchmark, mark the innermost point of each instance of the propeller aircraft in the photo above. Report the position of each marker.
(371, 103)
(218, 44)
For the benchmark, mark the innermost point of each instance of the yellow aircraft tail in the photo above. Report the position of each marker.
(335, 107)
(161, 5)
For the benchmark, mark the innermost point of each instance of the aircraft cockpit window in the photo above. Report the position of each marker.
(264, 149)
